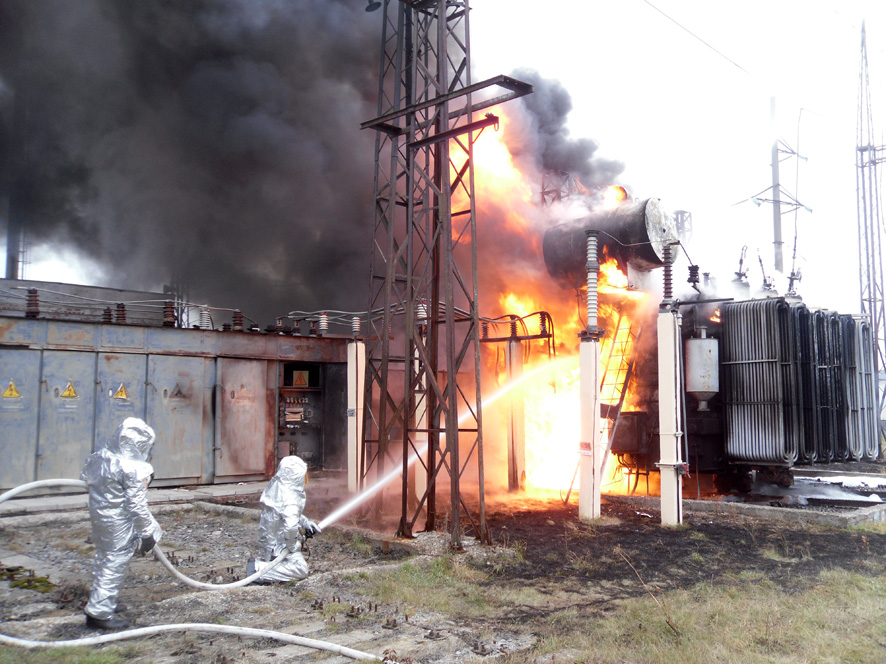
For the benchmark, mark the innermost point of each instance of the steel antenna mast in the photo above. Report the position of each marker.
(870, 257)
(423, 357)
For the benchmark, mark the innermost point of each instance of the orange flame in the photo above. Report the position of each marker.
(513, 280)
(613, 196)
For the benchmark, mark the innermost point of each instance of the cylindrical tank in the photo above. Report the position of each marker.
(633, 233)
(702, 369)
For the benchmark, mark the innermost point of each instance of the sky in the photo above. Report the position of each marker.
(202, 121)
(689, 115)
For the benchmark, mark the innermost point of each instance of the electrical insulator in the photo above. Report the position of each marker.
(33, 306)
(668, 279)
(355, 325)
(168, 314)
(205, 318)
(324, 323)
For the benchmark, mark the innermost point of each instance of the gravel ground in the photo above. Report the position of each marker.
(212, 543)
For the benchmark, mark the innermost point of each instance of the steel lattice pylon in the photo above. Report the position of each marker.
(870, 256)
(423, 368)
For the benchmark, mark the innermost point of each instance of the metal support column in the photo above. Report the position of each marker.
(870, 256)
(423, 371)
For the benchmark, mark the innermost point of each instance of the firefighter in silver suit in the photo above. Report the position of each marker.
(282, 523)
(117, 476)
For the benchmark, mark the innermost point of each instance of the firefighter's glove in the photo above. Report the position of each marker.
(147, 544)
(311, 529)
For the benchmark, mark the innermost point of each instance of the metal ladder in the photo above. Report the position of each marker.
(618, 367)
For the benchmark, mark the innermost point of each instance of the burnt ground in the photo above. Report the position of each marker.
(538, 544)
(713, 549)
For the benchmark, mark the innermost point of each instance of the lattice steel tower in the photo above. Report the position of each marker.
(423, 357)
(870, 256)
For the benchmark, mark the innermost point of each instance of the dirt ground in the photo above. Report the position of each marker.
(537, 543)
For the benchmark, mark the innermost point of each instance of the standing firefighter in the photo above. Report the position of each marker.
(118, 477)
(282, 525)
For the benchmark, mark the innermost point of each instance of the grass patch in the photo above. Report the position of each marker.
(878, 527)
(840, 619)
(445, 584)
(361, 545)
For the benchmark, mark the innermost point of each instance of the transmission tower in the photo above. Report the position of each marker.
(870, 257)
(423, 354)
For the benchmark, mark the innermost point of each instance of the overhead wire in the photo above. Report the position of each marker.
(695, 36)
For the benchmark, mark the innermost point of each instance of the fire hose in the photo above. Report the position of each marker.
(196, 627)
(158, 552)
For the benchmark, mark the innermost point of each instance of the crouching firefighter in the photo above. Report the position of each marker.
(282, 525)
(118, 477)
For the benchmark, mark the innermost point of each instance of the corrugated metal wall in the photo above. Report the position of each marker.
(798, 385)
(210, 396)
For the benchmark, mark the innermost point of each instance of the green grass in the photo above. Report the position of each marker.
(841, 619)
(445, 584)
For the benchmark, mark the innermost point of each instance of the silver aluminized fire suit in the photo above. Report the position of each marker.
(282, 522)
(118, 476)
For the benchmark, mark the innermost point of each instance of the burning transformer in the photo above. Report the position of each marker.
(774, 384)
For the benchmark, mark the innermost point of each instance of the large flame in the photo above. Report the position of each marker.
(513, 280)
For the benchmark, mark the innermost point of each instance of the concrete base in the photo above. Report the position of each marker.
(874, 514)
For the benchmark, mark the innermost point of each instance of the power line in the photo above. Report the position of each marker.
(680, 25)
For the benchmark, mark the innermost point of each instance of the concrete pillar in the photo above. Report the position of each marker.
(356, 377)
(516, 418)
(590, 454)
(670, 417)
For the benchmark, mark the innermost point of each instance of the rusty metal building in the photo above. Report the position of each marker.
(225, 404)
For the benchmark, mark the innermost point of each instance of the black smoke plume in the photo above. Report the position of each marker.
(542, 142)
(215, 143)
(212, 142)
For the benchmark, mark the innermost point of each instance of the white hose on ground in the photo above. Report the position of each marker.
(158, 554)
(194, 627)
(12, 493)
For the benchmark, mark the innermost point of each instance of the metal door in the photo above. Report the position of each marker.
(67, 413)
(19, 400)
(242, 440)
(176, 400)
(120, 392)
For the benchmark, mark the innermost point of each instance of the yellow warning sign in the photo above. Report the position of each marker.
(299, 378)
(11, 392)
(121, 392)
(70, 392)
